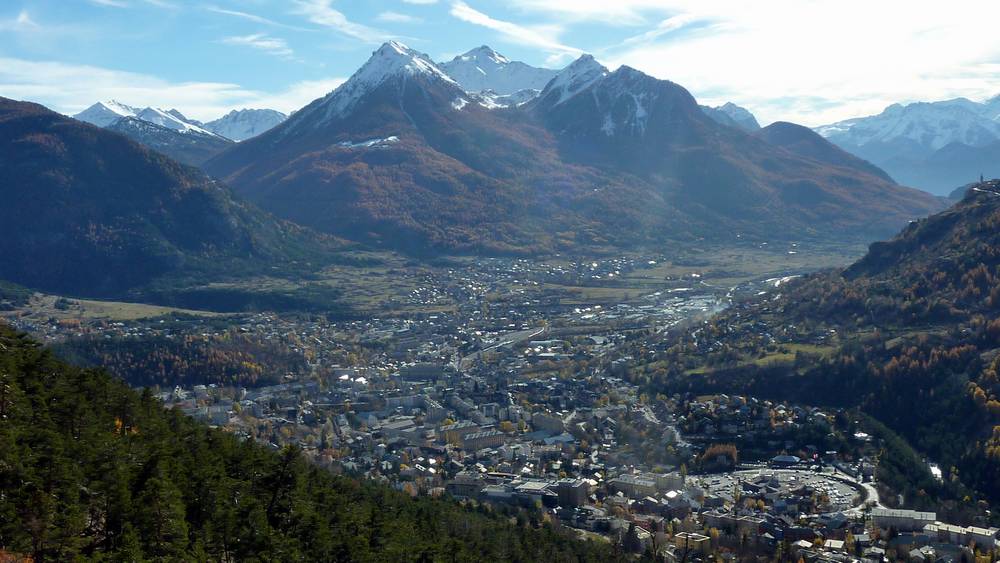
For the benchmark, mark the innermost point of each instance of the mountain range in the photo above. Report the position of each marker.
(403, 156)
(87, 211)
(172, 133)
(935, 146)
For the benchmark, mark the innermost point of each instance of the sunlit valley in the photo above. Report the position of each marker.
(459, 307)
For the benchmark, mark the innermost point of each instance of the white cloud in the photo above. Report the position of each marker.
(420, 2)
(39, 35)
(544, 38)
(397, 17)
(821, 61)
(245, 15)
(665, 27)
(161, 4)
(125, 4)
(321, 12)
(252, 17)
(24, 20)
(260, 41)
(607, 12)
(22, 23)
(71, 88)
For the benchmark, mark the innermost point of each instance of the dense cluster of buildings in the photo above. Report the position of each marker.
(515, 398)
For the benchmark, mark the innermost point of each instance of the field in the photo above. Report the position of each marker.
(43, 307)
(381, 283)
(717, 269)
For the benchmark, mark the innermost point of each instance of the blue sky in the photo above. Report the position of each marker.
(810, 61)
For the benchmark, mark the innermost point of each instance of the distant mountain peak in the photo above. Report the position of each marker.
(733, 115)
(174, 112)
(392, 60)
(482, 69)
(242, 124)
(394, 57)
(584, 62)
(105, 113)
(576, 77)
(484, 53)
(171, 119)
(931, 145)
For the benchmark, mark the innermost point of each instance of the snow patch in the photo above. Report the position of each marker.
(381, 142)
(170, 121)
(492, 100)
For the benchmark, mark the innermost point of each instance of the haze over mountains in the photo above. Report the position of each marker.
(935, 146)
(402, 156)
(732, 115)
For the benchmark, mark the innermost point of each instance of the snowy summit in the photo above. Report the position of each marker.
(484, 69)
(576, 77)
(240, 125)
(393, 59)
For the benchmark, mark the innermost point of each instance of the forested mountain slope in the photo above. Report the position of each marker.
(89, 212)
(92, 470)
(910, 334)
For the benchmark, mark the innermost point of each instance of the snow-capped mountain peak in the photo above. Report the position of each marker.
(176, 113)
(240, 125)
(103, 114)
(484, 69)
(580, 74)
(931, 145)
(732, 115)
(932, 125)
(739, 114)
(393, 59)
(170, 120)
(483, 54)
